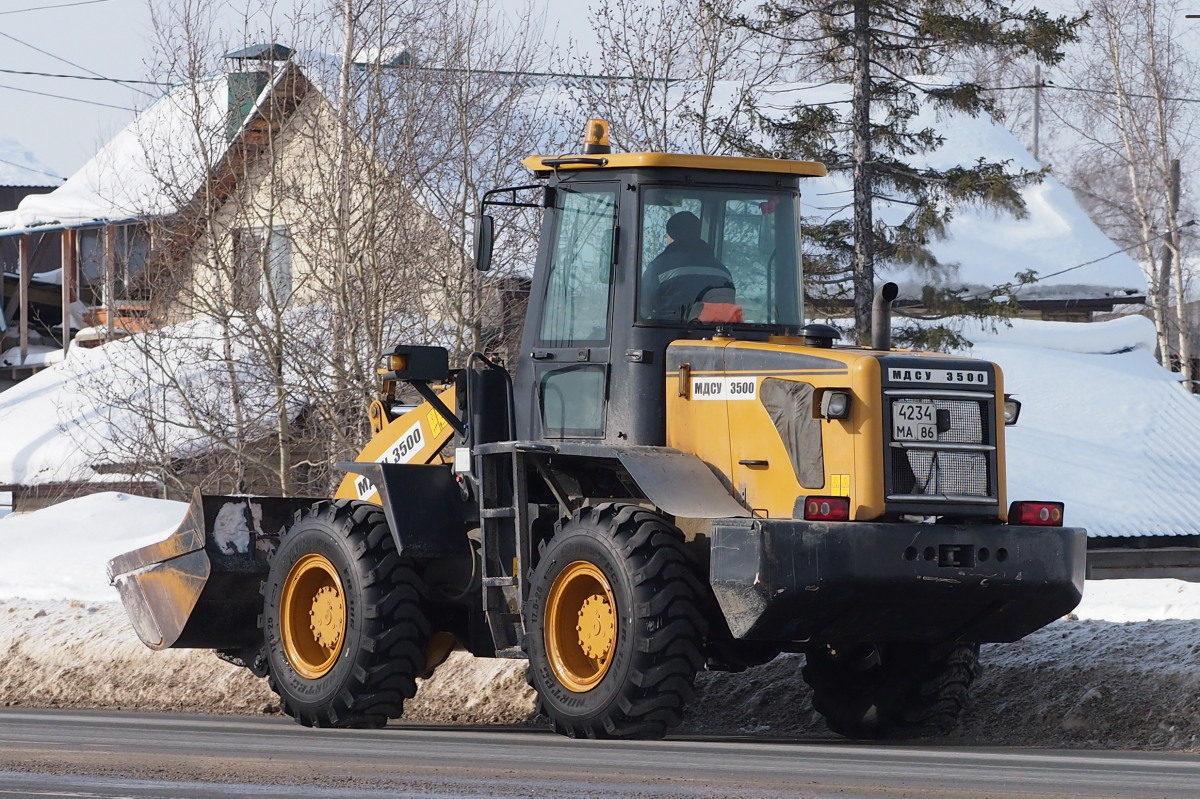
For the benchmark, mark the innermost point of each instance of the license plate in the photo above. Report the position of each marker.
(914, 420)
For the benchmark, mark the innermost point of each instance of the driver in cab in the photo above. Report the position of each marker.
(686, 281)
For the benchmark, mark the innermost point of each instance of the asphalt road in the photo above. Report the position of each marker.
(84, 755)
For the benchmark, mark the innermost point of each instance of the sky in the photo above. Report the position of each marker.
(110, 38)
(113, 39)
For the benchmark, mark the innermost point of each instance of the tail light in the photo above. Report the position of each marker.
(1045, 514)
(827, 509)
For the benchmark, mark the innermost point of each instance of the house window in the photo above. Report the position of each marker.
(131, 248)
(262, 266)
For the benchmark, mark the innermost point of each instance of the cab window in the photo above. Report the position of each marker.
(719, 255)
(578, 286)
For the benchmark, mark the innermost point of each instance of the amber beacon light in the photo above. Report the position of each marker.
(595, 137)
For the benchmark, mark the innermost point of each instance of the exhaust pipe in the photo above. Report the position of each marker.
(881, 316)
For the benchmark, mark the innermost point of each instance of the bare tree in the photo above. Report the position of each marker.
(1130, 111)
(332, 221)
(674, 73)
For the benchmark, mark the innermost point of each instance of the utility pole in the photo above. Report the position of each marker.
(1172, 256)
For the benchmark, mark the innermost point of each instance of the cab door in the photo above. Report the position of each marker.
(571, 371)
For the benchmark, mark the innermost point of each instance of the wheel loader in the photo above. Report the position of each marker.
(678, 473)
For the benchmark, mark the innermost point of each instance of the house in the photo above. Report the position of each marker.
(239, 190)
(107, 220)
(21, 175)
(243, 199)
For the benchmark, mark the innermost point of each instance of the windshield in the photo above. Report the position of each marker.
(720, 255)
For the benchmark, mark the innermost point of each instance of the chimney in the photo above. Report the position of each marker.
(248, 82)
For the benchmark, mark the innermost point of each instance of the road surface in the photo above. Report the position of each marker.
(82, 755)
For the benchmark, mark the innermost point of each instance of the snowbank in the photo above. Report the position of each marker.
(1094, 679)
(1076, 683)
(60, 552)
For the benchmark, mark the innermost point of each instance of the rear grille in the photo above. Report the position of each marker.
(960, 466)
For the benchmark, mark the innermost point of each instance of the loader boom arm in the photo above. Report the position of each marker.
(415, 437)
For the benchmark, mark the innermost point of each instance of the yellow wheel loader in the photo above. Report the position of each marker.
(679, 474)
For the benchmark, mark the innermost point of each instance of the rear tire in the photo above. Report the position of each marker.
(613, 628)
(343, 621)
(891, 690)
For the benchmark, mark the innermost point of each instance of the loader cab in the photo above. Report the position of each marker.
(612, 288)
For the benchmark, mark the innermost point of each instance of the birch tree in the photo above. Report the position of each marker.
(674, 74)
(1131, 110)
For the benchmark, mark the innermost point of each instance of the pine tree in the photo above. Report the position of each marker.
(875, 47)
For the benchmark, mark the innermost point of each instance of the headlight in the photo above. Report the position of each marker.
(835, 405)
(1012, 409)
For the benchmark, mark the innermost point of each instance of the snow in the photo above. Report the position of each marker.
(61, 552)
(36, 355)
(55, 423)
(1103, 427)
(151, 167)
(20, 167)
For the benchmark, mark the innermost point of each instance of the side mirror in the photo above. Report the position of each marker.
(485, 230)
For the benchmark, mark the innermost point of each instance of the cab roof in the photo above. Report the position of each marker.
(544, 165)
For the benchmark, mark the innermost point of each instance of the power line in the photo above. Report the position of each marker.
(82, 77)
(1047, 84)
(31, 169)
(1156, 237)
(64, 97)
(61, 5)
(59, 58)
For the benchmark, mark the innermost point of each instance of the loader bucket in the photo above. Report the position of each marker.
(199, 588)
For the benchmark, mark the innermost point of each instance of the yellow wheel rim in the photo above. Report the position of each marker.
(313, 616)
(581, 626)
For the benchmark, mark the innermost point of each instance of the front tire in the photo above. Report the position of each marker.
(891, 690)
(343, 621)
(613, 628)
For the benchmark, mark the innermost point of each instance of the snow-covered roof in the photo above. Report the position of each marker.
(20, 167)
(150, 168)
(1103, 427)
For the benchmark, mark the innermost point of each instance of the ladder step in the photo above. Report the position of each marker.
(497, 513)
(498, 582)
